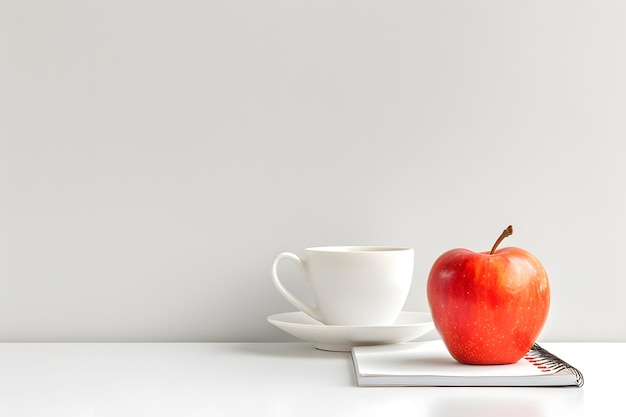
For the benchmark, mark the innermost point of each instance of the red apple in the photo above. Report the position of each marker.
(488, 307)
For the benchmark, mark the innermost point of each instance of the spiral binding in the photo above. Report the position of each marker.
(549, 362)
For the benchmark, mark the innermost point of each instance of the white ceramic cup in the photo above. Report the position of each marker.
(352, 285)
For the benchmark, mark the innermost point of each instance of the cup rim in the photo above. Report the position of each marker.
(358, 249)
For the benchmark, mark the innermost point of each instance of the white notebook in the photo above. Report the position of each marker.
(430, 364)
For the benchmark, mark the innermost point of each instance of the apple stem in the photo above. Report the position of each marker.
(505, 233)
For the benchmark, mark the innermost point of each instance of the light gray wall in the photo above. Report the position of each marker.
(156, 155)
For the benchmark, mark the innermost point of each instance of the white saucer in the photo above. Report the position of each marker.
(408, 326)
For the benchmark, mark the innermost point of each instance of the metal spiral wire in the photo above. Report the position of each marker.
(549, 362)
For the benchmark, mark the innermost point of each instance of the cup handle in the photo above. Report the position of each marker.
(300, 305)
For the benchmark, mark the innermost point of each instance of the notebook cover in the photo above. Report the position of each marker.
(430, 364)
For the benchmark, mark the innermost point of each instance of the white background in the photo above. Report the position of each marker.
(156, 155)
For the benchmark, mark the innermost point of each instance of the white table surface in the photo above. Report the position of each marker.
(271, 379)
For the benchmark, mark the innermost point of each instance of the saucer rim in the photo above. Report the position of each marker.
(344, 338)
(425, 319)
